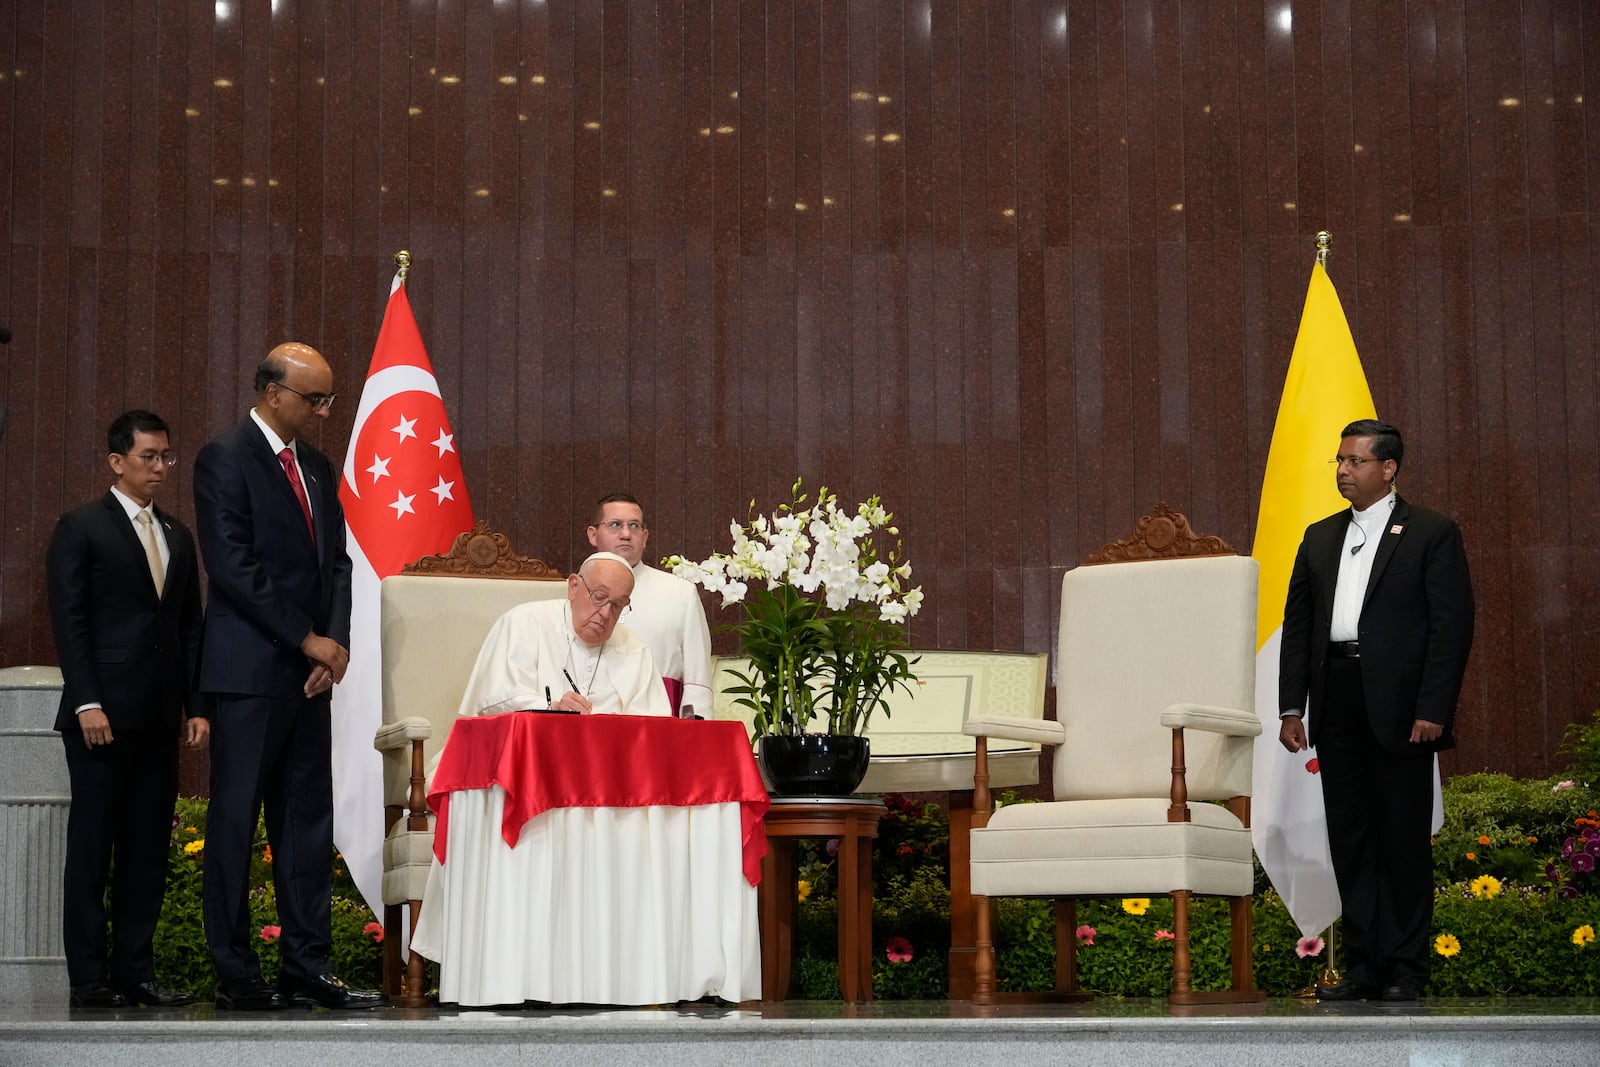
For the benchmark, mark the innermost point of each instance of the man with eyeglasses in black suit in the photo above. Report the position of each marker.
(1377, 627)
(124, 596)
(277, 638)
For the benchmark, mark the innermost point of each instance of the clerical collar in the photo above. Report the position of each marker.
(1380, 509)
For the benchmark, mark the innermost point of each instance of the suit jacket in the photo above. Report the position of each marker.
(269, 584)
(119, 644)
(1415, 628)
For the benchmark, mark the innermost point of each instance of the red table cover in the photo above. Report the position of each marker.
(601, 761)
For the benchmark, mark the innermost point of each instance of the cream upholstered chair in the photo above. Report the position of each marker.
(1155, 706)
(434, 617)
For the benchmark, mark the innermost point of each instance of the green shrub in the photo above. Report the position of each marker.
(1515, 932)
(1507, 827)
(182, 958)
(1581, 741)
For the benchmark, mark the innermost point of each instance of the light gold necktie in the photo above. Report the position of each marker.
(152, 551)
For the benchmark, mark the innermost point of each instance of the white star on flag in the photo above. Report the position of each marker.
(445, 442)
(404, 429)
(442, 490)
(402, 504)
(379, 468)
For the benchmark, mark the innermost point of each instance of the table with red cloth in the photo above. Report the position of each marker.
(597, 859)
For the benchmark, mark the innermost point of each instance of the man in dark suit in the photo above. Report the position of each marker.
(125, 605)
(1376, 630)
(277, 631)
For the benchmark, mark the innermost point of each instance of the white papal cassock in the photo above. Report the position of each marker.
(530, 651)
(668, 616)
(608, 905)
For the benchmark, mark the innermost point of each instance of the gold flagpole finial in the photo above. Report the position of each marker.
(402, 263)
(1324, 241)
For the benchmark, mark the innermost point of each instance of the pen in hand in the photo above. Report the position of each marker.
(570, 682)
(547, 700)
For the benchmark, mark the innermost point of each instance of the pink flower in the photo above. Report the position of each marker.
(898, 950)
(1165, 935)
(374, 931)
(1308, 946)
(271, 933)
(1560, 787)
(1086, 934)
(833, 846)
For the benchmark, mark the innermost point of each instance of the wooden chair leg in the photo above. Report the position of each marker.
(1066, 946)
(412, 995)
(1180, 944)
(392, 965)
(983, 977)
(1241, 925)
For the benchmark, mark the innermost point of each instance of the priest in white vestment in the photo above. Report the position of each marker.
(667, 612)
(573, 647)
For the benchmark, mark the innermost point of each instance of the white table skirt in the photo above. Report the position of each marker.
(593, 906)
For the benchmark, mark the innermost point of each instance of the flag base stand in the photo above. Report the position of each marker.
(1331, 975)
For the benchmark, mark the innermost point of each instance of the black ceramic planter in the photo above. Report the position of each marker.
(814, 765)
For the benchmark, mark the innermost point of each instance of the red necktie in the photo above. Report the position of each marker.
(286, 457)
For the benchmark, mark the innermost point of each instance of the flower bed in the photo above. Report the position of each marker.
(1515, 917)
(1515, 914)
(182, 959)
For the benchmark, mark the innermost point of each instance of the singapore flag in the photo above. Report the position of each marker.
(404, 497)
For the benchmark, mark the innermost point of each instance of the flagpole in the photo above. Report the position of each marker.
(1330, 971)
(402, 263)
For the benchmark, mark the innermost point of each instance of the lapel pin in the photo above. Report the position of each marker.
(1396, 528)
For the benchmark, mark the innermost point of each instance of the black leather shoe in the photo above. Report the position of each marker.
(248, 994)
(1349, 989)
(1401, 993)
(327, 991)
(155, 995)
(96, 995)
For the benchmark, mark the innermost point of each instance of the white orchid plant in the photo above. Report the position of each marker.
(825, 600)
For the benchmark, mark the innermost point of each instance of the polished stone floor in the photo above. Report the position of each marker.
(1522, 1032)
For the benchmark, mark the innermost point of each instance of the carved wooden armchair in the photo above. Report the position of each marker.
(1155, 705)
(434, 617)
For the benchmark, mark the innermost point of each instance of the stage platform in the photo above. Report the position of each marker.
(1526, 1033)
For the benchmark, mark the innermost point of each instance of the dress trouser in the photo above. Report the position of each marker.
(273, 756)
(122, 801)
(1380, 808)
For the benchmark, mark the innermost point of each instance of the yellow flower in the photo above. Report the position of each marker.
(1135, 905)
(1583, 935)
(805, 890)
(1446, 945)
(190, 830)
(195, 846)
(1485, 887)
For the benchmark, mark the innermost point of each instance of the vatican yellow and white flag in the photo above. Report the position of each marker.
(1325, 390)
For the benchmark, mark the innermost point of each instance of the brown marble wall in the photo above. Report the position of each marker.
(1023, 267)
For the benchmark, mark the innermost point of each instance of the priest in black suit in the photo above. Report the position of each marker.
(277, 635)
(1376, 631)
(125, 605)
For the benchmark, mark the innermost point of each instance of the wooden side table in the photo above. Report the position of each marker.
(854, 821)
